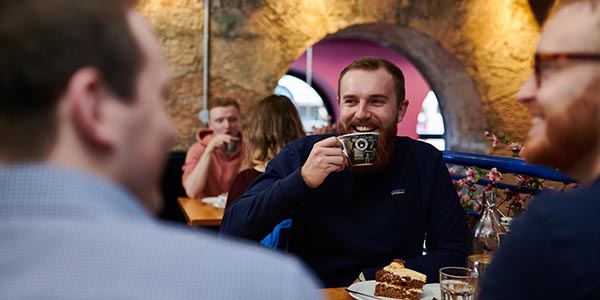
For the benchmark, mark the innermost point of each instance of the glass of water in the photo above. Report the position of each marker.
(457, 283)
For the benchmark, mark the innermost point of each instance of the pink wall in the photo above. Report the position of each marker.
(331, 56)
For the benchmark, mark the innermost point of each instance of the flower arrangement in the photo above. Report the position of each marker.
(510, 201)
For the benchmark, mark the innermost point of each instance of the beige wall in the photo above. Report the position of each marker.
(474, 53)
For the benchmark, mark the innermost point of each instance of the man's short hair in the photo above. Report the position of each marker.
(42, 44)
(373, 64)
(224, 103)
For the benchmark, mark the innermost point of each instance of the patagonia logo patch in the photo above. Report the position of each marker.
(397, 192)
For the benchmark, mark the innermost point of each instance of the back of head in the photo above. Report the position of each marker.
(43, 43)
(370, 63)
(272, 124)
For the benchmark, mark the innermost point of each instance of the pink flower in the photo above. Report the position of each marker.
(452, 171)
(523, 180)
(494, 141)
(477, 205)
(465, 199)
(487, 134)
(515, 148)
(470, 172)
(494, 175)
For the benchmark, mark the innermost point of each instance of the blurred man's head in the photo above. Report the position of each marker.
(371, 97)
(82, 86)
(562, 94)
(224, 117)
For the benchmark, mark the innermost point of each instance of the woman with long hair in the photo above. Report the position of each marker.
(272, 124)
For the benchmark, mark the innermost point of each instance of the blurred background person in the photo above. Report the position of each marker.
(83, 138)
(213, 161)
(272, 124)
(549, 252)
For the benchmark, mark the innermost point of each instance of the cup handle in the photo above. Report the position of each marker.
(344, 150)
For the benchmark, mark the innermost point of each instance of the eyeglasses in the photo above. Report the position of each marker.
(541, 58)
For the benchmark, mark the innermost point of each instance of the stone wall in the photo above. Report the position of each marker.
(474, 53)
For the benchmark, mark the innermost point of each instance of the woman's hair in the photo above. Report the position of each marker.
(271, 125)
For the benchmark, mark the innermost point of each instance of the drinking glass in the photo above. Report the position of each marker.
(457, 283)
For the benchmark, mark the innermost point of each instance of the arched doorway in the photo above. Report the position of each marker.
(431, 73)
(458, 98)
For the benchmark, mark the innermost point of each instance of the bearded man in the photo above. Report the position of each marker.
(549, 253)
(348, 220)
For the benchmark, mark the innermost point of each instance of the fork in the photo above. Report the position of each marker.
(362, 294)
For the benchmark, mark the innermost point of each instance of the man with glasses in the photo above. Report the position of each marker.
(551, 251)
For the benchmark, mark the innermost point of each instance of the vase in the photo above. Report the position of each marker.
(487, 236)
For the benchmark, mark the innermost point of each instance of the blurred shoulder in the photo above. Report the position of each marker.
(573, 204)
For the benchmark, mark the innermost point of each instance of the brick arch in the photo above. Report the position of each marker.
(253, 43)
(457, 94)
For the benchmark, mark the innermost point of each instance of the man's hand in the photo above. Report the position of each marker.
(325, 157)
(218, 141)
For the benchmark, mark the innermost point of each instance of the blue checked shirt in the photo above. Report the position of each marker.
(66, 235)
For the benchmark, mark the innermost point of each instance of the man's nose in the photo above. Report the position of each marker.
(363, 111)
(526, 94)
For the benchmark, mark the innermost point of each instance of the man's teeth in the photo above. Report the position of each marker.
(364, 128)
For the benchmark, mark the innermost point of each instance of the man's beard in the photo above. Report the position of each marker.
(570, 135)
(386, 144)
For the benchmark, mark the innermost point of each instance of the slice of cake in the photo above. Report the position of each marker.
(396, 281)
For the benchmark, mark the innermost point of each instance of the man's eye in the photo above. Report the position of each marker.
(545, 66)
(349, 101)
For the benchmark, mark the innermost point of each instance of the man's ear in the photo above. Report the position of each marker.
(402, 110)
(86, 96)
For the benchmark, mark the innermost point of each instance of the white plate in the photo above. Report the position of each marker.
(430, 290)
(210, 200)
(218, 201)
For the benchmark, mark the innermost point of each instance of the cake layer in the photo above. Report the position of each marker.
(386, 290)
(396, 281)
(398, 269)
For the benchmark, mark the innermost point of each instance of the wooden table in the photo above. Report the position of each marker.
(338, 293)
(200, 214)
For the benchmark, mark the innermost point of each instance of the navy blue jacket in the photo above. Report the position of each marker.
(358, 222)
(551, 252)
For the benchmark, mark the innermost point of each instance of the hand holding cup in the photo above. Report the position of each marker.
(325, 157)
(229, 147)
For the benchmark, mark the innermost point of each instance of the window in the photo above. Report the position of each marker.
(430, 123)
(309, 103)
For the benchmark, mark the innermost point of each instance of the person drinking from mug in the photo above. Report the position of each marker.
(213, 161)
(348, 219)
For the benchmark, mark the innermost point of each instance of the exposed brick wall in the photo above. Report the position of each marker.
(253, 43)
